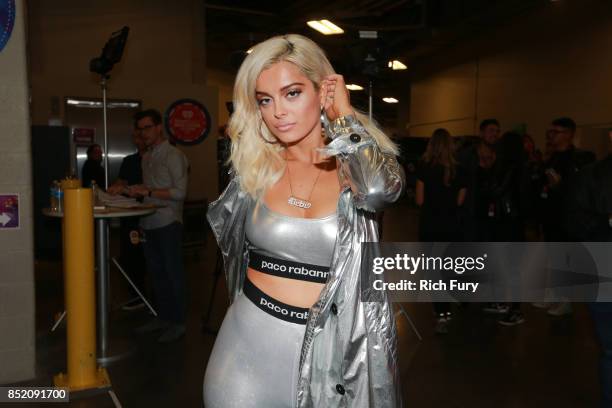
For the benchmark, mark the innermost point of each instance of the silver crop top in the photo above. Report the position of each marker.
(305, 240)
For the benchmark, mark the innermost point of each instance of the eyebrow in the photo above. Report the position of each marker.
(282, 89)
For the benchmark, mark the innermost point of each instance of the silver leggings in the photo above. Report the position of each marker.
(255, 359)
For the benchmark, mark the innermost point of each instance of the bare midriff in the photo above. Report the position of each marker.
(293, 292)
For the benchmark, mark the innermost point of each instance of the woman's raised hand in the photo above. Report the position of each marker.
(335, 98)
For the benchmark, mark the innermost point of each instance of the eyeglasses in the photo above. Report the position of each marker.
(557, 131)
(142, 129)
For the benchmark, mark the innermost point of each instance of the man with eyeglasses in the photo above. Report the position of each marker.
(564, 164)
(165, 172)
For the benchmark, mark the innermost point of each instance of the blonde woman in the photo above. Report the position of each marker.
(298, 332)
(440, 192)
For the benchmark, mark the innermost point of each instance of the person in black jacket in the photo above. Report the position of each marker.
(508, 200)
(564, 163)
(589, 218)
(92, 168)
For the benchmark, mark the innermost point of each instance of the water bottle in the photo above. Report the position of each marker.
(60, 197)
(52, 197)
(56, 196)
(94, 193)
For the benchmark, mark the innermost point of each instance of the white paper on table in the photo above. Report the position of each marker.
(116, 200)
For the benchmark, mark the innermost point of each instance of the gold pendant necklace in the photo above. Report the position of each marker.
(299, 202)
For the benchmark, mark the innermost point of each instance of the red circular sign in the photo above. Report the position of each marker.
(187, 121)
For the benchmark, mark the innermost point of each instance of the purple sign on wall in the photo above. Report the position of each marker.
(9, 211)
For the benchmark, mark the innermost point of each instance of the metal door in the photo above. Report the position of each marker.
(86, 113)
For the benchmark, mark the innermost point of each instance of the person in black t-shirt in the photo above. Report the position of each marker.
(440, 191)
(508, 201)
(92, 168)
(131, 252)
(473, 158)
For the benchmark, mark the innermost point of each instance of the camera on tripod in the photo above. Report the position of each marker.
(111, 53)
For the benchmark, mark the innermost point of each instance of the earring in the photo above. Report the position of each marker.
(262, 132)
(324, 123)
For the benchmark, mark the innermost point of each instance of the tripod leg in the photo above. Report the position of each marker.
(134, 287)
(58, 321)
(402, 311)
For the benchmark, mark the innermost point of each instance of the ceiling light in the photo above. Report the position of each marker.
(354, 87)
(390, 100)
(81, 103)
(123, 105)
(84, 103)
(368, 34)
(325, 27)
(396, 65)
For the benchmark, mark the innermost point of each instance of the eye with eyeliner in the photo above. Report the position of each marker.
(290, 94)
(294, 93)
(263, 101)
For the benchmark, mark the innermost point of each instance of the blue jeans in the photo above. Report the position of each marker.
(602, 317)
(163, 253)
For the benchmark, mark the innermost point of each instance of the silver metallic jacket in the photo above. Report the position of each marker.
(349, 354)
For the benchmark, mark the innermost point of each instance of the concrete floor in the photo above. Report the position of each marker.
(545, 362)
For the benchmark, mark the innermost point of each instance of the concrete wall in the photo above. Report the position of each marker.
(17, 344)
(224, 82)
(164, 60)
(542, 66)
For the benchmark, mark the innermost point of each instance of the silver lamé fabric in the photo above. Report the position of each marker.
(244, 370)
(305, 240)
(348, 352)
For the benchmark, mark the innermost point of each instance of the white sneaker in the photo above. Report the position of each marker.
(134, 304)
(512, 319)
(173, 333)
(560, 309)
(496, 308)
(441, 325)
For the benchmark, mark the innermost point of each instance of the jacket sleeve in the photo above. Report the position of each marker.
(226, 217)
(375, 177)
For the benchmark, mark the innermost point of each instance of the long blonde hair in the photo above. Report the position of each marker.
(441, 151)
(256, 155)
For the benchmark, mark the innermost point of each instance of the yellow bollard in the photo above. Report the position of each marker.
(65, 184)
(79, 294)
(70, 183)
